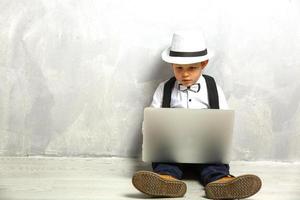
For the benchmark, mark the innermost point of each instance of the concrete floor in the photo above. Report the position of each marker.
(110, 178)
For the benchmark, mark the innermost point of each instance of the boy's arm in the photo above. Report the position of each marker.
(222, 100)
(157, 99)
(158, 96)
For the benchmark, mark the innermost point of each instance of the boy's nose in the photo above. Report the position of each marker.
(185, 74)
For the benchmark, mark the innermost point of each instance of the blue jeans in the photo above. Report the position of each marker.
(206, 172)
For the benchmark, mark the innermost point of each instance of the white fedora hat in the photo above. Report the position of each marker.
(187, 47)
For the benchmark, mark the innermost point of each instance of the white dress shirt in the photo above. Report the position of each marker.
(187, 98)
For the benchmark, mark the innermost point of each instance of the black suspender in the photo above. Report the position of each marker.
(168, 92)
(212, 91)
(213, 97)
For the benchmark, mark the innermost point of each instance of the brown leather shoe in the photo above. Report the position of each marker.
(233, 187)
(157, 185)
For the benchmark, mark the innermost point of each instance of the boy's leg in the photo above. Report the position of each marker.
(163, 182)
(211, 172)
(172, 169)
(219, 184)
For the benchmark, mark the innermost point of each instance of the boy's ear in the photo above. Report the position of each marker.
(204, 63)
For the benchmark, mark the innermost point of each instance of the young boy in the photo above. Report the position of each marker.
(191, 89)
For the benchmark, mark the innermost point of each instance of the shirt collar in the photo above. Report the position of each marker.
(200, 80)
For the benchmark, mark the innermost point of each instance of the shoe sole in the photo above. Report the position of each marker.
(239, 188)
(152, 184)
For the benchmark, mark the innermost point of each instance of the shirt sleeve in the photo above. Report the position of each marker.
(157, 97)
(222, 100)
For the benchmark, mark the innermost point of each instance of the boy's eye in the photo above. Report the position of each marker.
(179, 68)
(194, 68)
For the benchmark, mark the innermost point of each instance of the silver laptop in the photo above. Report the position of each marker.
(187, 135)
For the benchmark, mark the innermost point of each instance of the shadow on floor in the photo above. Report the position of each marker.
(137, 196)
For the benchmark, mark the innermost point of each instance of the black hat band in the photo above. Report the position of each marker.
(188, 54)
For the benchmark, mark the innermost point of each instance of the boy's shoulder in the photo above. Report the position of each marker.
(161, 84)
(160, 88)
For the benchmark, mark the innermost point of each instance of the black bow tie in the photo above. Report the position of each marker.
(194, 88)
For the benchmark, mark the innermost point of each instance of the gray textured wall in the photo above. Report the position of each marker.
(75, 75)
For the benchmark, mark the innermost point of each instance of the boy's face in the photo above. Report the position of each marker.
(188, 74)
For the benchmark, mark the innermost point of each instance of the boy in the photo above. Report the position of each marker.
(190, 89)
